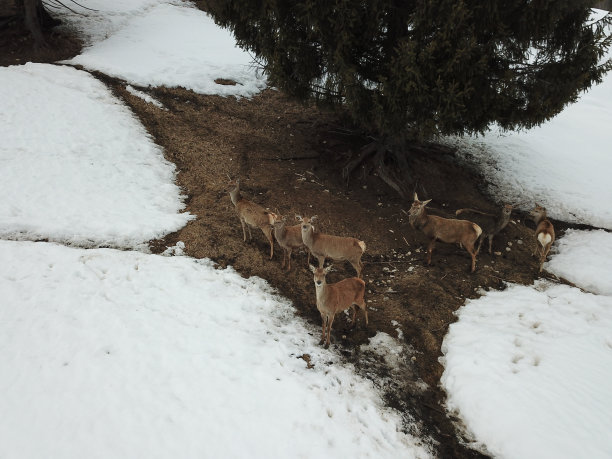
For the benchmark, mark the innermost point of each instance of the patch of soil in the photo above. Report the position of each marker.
(17, 45)
(289, 158)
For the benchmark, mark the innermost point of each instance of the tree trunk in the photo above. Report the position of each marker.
(35, 18)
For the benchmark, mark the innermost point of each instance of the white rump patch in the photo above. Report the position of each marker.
(544, 239)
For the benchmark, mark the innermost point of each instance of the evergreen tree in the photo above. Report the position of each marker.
(426, 67)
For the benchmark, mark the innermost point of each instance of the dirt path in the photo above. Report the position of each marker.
(289, 159)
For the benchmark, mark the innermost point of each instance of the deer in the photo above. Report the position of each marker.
(252, 215)
(502, 218)
(544, 233)
(443, 229)
(289, 238)
(337, 248)
(335, 298)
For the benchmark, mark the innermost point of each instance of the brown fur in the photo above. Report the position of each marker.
(252, 215)
(443, 229)
(289, 238)
(543, 228)
(337, 248)
(335, 298)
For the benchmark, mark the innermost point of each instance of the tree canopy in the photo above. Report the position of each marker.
(426, 67)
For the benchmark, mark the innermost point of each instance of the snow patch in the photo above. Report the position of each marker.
(528, 370)
(584, 258)
(144, 96)
(77, 166)
(172, 45)
(107, 353)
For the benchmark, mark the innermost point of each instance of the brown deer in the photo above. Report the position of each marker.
(337, 248)
(335, 298)
(289, 238)
(544, 233)
(252, 215)
(443, 229)
(489, 231)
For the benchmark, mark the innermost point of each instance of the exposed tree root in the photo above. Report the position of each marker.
(391, 166)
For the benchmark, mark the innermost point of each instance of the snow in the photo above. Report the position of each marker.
(96, 20)
(151, 43)
(77, 165)
(584, 258)
(107, 353)
(563, 164)
(144, 96)
(528, 370)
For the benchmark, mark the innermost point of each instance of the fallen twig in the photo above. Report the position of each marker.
(291, 158)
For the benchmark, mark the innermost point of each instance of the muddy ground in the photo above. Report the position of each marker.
(289, 158)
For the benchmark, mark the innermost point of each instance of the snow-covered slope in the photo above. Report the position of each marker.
(76, 165)
(107, 353)
(528, 368)
(164, 45)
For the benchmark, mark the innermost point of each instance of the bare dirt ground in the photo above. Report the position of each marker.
(289, 158)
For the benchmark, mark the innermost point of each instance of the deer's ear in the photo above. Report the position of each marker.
(312, 268)
(416, 196)
(313, 217)
(426, 202)
(299, 218)
(328, 269)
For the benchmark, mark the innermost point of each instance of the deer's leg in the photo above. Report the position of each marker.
(362, 305)
(545, 251)
(323, 321)
(542, 259)
(284, 256)
(243, 230)
(490, 244)
(329, 327)
(354, 309)
(470, 248)
(357, 267)
(480, 244)
(270, 237)
(430, 248)
(289, 252)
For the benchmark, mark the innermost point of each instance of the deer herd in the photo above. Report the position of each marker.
(332, 299)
